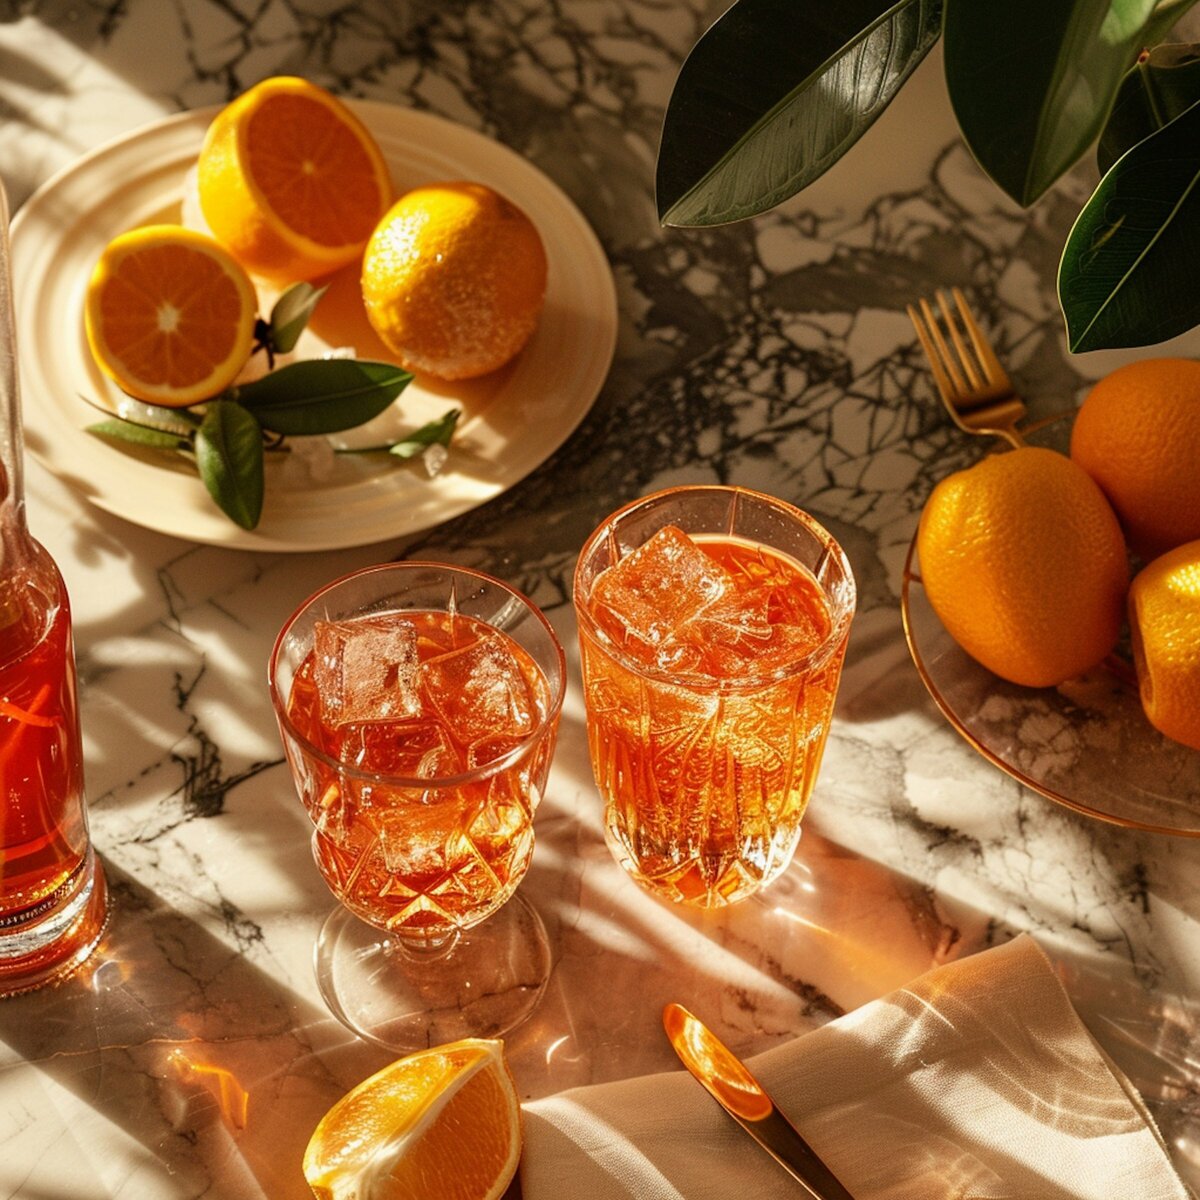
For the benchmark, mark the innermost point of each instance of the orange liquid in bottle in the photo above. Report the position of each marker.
(52, 897)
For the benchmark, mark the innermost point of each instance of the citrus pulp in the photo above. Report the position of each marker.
(169, 315)
(442, 1122)
(291, 181)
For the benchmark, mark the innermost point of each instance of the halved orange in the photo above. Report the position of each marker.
(290, 181)
(442, 1122)
(169, 315)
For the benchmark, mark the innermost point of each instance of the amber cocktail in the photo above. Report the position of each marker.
(418, 706)
(712, 624)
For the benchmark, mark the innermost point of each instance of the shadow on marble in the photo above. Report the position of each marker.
(209, 1074)
(836, 930)
(172, 1052)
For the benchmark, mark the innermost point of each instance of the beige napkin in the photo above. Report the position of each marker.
(978, 1080)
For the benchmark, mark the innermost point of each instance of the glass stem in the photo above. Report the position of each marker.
(424, 948)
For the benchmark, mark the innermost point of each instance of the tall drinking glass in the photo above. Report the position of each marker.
(53, 900)
(418, 706)
(712, 627)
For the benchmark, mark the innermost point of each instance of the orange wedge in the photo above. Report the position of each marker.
(290, 181)
(169, 315)
(443, 1122)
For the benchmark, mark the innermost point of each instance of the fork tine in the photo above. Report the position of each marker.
(983, 349)
(945, 384)
(974, 379)
(958, 383)
(987, 404)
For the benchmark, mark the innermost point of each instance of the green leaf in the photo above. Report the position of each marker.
(322, 396)
(291, 313)
(229, 455)
(180, 421)
(1129, 268)
(1165, 16)
(1164, 82)
(141, 435)
(432, 433)
(775, 93)
(1032, 81)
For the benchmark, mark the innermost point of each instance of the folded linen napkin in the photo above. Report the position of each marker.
(977, 1081)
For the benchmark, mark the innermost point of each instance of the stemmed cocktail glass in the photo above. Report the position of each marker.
(418, 706)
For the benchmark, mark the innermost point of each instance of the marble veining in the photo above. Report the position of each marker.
(195, 1056)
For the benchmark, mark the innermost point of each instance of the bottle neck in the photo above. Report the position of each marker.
(13, 533)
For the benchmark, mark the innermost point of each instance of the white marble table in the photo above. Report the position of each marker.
(194, 1055)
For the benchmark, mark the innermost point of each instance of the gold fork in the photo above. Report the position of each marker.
(974, 387)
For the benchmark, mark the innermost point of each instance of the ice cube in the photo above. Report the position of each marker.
(414, 838)
(728, 634)
(760, 627)
(420, 749)
(480, 692)
(799, 619)
(488, 749)
(366, 670)
(648, 594)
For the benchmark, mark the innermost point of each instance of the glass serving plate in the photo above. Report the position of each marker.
(1086, 744)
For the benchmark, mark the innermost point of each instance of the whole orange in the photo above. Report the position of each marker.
(1164, 616)
(453, 279)
(1137, 434)
(1023, 561)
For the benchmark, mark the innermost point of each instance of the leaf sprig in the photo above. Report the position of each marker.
(228, 435)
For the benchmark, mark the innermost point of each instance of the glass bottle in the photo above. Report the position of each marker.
(53, 901)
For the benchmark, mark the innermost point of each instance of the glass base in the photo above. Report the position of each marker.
(45, 951)
(482, 983)
(694, 883)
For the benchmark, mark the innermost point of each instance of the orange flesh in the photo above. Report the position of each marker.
(308, 165)
(170, 314)
(437, 1165)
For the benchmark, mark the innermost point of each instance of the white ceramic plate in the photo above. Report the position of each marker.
(511, 420)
